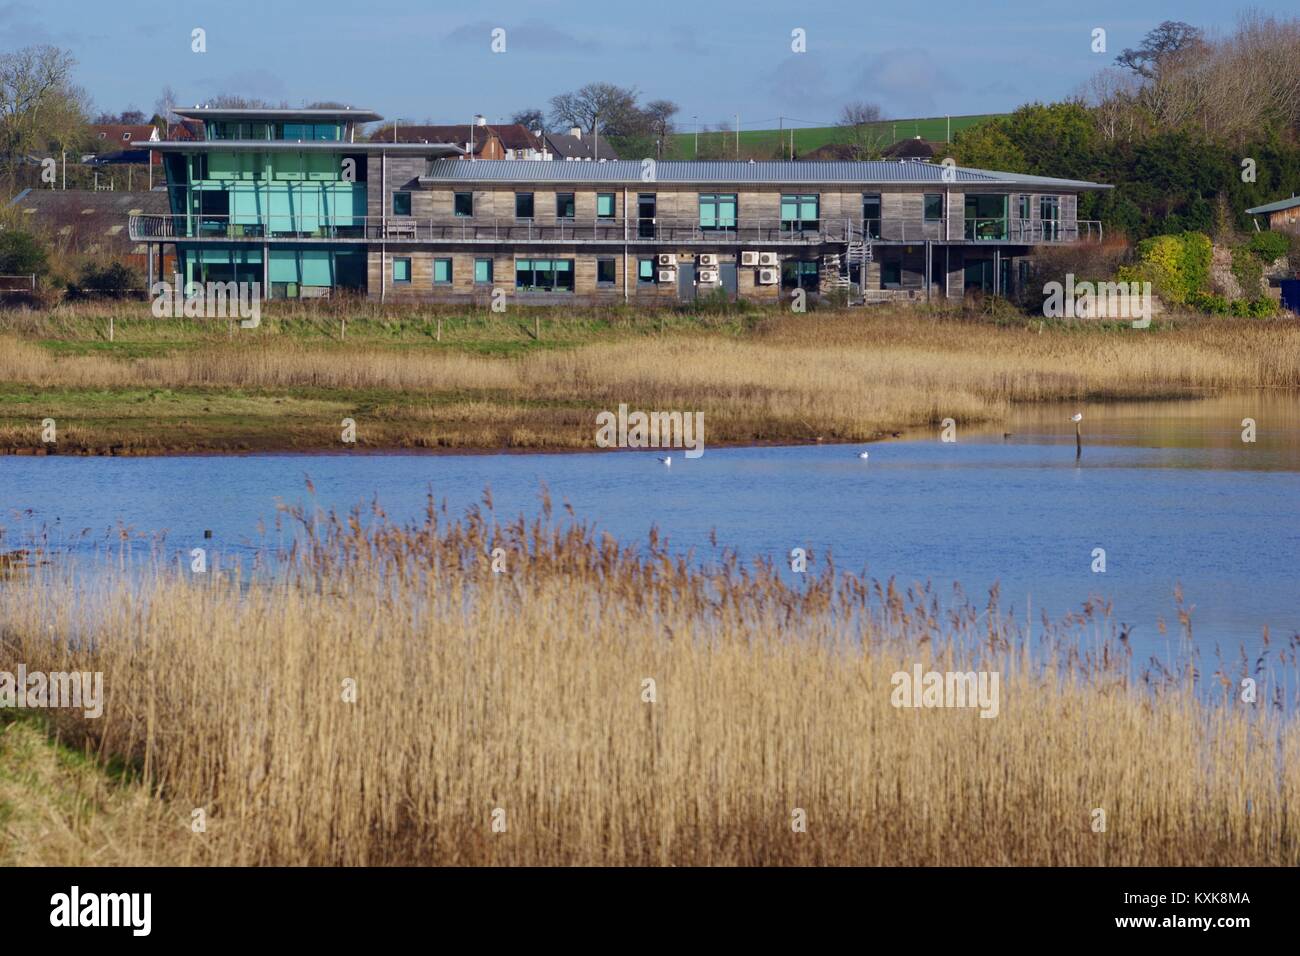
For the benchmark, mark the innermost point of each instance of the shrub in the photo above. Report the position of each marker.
(22, 254)
(1248, 270)
(115, 280)
(1209, 303)
(1269, 246)
(1177, 266)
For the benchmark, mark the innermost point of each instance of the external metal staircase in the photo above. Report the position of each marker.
(836, 269)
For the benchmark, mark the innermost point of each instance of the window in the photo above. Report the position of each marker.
(605, 272)
(464, 204)
(871, 215)
(544, 275)
(986, 216)
(799, 213)
(934, 207)
(1049, 210)
(442, 272)
(1022, 211)
(401, 271)
(523, 205)
(401, 204)
(797, 274)
(645, 271)
(482, 271)
(564, 206)
(604, 205)
(717, 211)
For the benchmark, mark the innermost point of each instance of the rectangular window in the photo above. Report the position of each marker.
(482, 271)
(544, 275)
(605, 272)
(604, 205)
(1022, 211)
(717, 211)
(442, 272)
(799, 213)
(797, 274)
(1049, 211)
(523, 205)
(645, 271)
(464, 204)
(401, 204)
(401, 271)
(934, 207)
(871, 215)
(565, 207)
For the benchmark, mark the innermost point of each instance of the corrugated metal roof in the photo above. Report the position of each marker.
(297, 146)
(727, 171)
(1275, 206)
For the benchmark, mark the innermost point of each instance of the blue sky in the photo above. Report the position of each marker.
(432, 60)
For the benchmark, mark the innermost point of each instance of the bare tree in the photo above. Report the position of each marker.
(611, 108)
(860, 113)
(39, 105)
(532, 119)
(1160, 47)
(659, 121)
(863, 133)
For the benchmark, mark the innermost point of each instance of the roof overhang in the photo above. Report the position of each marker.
(221, 113)
(297, 146)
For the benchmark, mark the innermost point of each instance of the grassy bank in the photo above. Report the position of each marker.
(522, 698)
(429, 379)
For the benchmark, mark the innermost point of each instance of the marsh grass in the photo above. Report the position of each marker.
(524, 691)
(764, 377)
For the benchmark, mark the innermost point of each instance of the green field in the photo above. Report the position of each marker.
(763, 143)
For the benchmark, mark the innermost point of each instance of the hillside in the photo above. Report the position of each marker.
(763, 143)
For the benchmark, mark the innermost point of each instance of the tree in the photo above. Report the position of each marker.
(1160, 47)
(599, 108)
(658, 119)
(39, 104)
(988, 145)
(21, 253)
(862, 133)
(532, 119)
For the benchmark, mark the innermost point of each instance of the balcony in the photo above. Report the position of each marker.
(470, 230)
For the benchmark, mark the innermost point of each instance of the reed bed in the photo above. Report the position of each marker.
(520, 697)
(779, 378)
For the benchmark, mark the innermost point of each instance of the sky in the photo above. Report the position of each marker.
(432, 60)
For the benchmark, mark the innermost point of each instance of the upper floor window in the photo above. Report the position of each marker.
(718, 210)
(565, 208)
(308, 131)
(401, 204)
(523, 205)
(799, 212)
(464, 204)
(934, 207)
(604, 205)
(1022, 208)
(871, 215)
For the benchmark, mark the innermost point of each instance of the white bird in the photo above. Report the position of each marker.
(864, 455)
(667, 461)
(1077, 417)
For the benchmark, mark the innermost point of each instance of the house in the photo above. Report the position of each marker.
(914, 148)
(295, 204)
(575, 144)
(1283, 215)
(519, 142)
(89, 221)
(113, 139)
(476, 139)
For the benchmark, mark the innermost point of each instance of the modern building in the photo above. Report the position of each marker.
(291, 198)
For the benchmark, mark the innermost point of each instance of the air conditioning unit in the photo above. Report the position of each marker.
(749, 258)
(667, 275)
(767, 276)
(767, 259)
(708, 276)
(667, 259)
(707, 259)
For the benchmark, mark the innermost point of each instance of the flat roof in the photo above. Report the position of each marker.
(220, 113)
(299, 145)
(630, 172)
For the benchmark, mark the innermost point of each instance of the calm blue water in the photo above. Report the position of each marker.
(1171, 497)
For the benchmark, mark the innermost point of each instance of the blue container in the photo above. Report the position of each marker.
(1291, 294)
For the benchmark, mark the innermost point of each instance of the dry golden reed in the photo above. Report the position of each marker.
(524, 692)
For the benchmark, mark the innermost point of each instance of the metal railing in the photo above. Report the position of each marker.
(667, 230)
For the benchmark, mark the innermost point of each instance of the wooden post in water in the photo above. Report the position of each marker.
(1078, 435)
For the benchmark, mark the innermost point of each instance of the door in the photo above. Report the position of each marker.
(727, 273)
(686, 281)
(1049, 209)
(645, 214)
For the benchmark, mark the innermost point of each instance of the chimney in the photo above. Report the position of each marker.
(480, 119)
(575, 132)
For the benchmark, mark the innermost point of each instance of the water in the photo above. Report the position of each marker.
(1168, 489)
